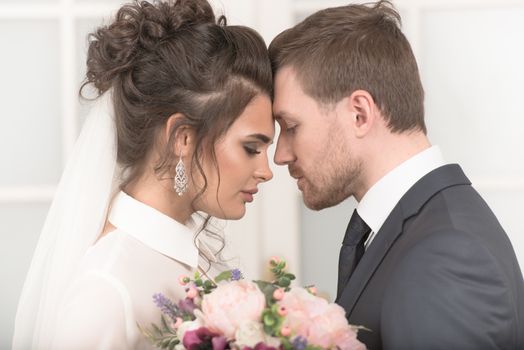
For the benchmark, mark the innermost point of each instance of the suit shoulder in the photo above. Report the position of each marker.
(449, 281)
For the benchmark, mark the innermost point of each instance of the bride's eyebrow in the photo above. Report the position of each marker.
(261, 137)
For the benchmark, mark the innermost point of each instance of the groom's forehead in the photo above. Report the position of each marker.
(287, 87)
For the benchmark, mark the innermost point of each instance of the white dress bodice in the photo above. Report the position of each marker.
(113, 291)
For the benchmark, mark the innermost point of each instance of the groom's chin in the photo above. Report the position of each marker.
(319, 201)
(313, 202)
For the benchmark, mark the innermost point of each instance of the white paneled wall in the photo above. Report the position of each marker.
(470, 54)
(43, 44)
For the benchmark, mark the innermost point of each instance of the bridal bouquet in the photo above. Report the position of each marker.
(233, 313)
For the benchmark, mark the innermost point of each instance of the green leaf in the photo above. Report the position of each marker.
(267, 289)
(224, 276)
(156, 330)
(284, 282)
(173, 344)
(313, 347)
(164, 323)
(269, 319)
(286, 343)
(290, 276)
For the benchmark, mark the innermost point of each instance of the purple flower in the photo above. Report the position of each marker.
(299, 343)
(166, 305)
(263, 346)
(219, 342)
(236, 275)
(187, 306)
(203, 338)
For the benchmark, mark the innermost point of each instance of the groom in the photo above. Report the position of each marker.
(424, 263)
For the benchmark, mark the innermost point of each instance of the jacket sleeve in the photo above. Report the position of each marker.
(449, 292)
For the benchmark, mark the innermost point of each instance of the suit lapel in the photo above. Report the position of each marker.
(409, 205)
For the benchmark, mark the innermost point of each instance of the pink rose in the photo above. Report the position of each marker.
(321, 323)
(301, 307)
(230, 305)
(332, 330)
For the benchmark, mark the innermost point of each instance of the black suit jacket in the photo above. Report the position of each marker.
(440, 274)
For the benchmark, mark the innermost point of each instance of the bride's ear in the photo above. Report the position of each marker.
(182, 136)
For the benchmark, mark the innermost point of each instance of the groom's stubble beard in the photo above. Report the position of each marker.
(336, 176)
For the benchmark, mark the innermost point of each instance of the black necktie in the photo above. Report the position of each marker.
(352, 249)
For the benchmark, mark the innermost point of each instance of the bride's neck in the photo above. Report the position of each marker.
(159, 195)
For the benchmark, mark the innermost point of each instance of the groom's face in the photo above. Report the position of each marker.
(314, 144)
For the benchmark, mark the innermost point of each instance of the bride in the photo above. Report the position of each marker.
(182, 127)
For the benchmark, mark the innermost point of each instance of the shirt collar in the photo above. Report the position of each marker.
(155, 229)
(383, 196)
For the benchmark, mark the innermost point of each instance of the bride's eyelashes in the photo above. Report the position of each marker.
(251, 150)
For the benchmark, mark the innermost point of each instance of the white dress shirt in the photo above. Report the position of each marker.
(383, 196)
(112, 293)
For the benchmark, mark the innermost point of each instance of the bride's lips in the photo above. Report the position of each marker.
(248, 194)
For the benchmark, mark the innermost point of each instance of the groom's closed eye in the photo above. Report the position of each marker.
(288, 127)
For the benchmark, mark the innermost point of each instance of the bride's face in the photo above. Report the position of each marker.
(242, 162)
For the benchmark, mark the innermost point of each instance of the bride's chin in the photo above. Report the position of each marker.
(230, 213)
(237, 215)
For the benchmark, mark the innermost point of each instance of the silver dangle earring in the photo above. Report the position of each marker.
(180, 185)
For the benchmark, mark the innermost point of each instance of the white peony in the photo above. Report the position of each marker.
(250, 333)
(187, 326)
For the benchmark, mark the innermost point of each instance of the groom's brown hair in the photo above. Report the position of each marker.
(342, 49)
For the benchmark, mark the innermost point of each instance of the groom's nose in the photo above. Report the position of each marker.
(284, 152)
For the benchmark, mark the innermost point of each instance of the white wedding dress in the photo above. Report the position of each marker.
(112, 293)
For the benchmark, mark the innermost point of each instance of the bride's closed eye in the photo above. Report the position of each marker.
(251, 149)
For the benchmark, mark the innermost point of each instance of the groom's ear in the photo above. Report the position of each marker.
(180, 136)
(363, 112)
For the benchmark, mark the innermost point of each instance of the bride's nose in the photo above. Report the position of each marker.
(263, 172)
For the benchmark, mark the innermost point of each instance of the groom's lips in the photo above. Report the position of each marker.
(296, 175)
(300, 181)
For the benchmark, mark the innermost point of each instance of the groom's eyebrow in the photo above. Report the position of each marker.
(282, 115)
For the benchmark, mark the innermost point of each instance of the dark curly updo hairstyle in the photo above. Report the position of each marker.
(166, 57)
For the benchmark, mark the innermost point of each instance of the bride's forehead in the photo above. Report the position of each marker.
(257, 116)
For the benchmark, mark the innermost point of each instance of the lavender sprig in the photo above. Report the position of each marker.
(299, 343)
(236, 275)
(167, 306)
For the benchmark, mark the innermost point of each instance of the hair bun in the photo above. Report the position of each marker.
(138, 26)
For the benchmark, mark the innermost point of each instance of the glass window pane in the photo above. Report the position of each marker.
(507, 204)
(20, 226)
(36, 2)
(321, 234)
(473, 77)
(117, 2)
(30, 89)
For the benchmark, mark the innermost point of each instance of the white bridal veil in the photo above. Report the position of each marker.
(74, 221)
